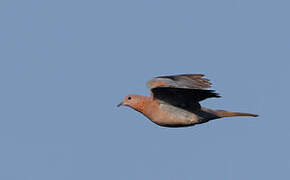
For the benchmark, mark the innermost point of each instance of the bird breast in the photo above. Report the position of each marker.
(167, 115)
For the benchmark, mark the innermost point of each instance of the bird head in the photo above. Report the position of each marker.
(131, 100)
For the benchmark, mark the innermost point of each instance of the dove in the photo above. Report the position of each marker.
(175, 101)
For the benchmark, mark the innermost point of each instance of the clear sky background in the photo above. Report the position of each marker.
(65, 65)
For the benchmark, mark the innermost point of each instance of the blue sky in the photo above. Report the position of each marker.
(65, 65)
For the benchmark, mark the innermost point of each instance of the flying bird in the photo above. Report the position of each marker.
(174, 101)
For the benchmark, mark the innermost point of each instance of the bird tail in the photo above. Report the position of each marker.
(222, 113)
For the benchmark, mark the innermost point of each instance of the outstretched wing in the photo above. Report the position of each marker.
(191, 81)
(183, 91)
(183, 98)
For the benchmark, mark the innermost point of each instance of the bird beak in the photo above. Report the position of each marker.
(120, 104)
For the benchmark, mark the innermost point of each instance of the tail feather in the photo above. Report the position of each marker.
(222, 113)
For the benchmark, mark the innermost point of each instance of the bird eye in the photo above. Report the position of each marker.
(129, 98)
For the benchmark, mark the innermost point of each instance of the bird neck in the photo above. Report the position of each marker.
(142, 104)
(147, 106)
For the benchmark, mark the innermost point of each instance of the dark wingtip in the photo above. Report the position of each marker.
(214, 94)
(217, 96)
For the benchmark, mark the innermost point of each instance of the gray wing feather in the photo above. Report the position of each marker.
(190, 81)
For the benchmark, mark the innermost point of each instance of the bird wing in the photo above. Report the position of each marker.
(187, 99)
(191, 81)
(183, 91)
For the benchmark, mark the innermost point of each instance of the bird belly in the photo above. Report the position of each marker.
(171, 116)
